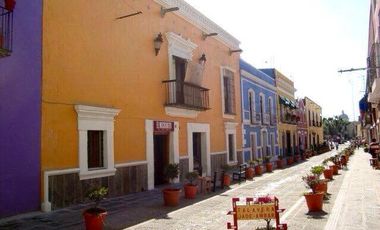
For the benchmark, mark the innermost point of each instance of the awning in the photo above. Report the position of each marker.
(287, 102)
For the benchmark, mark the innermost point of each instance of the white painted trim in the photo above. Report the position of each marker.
(257, 80)
(251, 91)
(205, 130)
(180, 47)
(259, 86)
(217, 153)
(180, 112)
(149, 145)
(46, 205)
(253, 154)
(183, 157)
(149, 148)
(190, 14)
(96, 118)
(230, 128)
(222, 68)
(132, 163)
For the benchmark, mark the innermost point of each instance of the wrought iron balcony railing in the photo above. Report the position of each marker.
(186, 95)
(6, 29)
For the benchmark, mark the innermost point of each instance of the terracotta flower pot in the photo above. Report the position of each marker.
(171, 196)
(269, 167)
(314, 201)
(94, 220)
(249, 173)
(280, 164)
(226, 180)
(335, 169)
(321, 187)
(10, 4)
(289, 160)
(190, 191)
(258, 170)
(328, 174)
(296, 158)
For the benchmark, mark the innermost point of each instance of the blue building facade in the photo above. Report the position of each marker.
(260, 137)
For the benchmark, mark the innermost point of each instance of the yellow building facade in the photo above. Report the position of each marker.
(125, 93)
(286, 115)
(314, 123)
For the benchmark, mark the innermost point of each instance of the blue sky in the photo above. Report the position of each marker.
(307, 40)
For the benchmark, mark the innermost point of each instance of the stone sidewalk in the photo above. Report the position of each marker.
(354, 203)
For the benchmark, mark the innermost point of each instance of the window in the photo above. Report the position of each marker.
(180, 65)
(228, 91)
(262, 109)
(251, 105)
(95, 149)
(95, 127)
(309, 118)
(272, 142)
(270, 105)
(253, 147)
(231, 147)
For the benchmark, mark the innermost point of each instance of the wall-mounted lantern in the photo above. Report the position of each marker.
(157, 43)
(202, 59)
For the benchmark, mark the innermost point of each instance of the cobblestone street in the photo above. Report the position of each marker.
(354, 203)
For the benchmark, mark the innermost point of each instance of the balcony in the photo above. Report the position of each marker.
(186, 95)
(6, 28)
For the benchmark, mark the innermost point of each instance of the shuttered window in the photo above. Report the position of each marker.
(229, 92)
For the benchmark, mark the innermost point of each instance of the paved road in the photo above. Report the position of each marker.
(354, 203)
(286, 184)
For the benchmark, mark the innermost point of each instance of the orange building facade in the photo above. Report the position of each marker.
(115, 110)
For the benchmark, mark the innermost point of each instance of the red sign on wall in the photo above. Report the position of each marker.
(163, 126)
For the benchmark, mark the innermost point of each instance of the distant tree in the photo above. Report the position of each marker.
(335, 126)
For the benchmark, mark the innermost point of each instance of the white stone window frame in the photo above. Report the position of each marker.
(102, 119)
(182, 48)
(253, 136)
(230, 128)
(222, 68)
(253, 105)
(263, 106)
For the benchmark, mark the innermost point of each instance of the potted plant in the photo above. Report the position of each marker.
(327, 172)
(280, 162)
(226, 175)
(322, 185)
(94, 216)
(191, 187)
(268, 164)
(9, 4)
(289, 160)
(171, 194)
(250, 172)
(258, 167)
(314, 199)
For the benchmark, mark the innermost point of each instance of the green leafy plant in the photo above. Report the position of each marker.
(317, 170)
(259, 161)
(192, 177)
(227, 168)
(267, 159)
(311, 181)
(171, 171)
(252, 163)
(96, 195)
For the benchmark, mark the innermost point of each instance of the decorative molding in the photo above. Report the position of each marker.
(179, 112)
(96, 118)
(180, 46)
(218, 153)
(258, 80)
(183, 157)
(204, 129)
(132, 163)
(196, 18)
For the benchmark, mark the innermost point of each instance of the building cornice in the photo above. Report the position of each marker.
(257, 80)
(196, 18)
